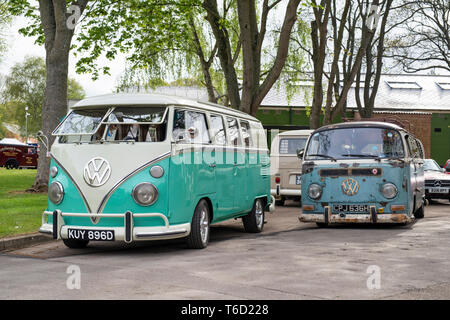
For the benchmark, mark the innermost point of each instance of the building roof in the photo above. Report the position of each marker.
(407, 92)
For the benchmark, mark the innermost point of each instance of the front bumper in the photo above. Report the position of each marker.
(329, 217)
(127, 233)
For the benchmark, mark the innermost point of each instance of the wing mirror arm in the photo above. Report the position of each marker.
(300, 153)
(44, 139)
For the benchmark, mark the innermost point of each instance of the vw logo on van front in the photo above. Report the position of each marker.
(350, 186)
(97, 171)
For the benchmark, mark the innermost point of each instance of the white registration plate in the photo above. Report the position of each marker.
(90, 234)
(438, 190)
(354, 208)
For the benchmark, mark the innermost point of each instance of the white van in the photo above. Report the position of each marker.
(285, 182)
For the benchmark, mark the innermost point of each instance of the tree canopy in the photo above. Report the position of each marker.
(24, 86)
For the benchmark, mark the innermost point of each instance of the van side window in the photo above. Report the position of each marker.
(414, 149)
(190, 126)
(245, 127)
(233, 131)
(258, 135)
(218, 130)
(421, 151)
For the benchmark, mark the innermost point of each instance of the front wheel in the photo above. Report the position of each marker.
(199, 236)
(420, 213)
(75, 244)
(254, 221)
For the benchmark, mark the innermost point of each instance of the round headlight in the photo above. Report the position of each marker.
(145, 194)
(314, 191)
(56, 192)
(389, 190)
(53, 171)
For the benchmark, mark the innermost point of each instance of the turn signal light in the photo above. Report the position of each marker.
(397, 208)
(308, 208)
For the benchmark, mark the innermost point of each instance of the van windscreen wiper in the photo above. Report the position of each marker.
(321, 155)
(361, 156)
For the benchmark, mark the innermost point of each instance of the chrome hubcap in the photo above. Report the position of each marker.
(204, 226)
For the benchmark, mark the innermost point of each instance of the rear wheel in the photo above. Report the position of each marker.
(280, 202)
(254, 221)
(75, 244)
(199, 236)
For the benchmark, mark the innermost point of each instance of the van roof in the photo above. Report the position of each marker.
(361, 124)
(146, 99)
(296, 133)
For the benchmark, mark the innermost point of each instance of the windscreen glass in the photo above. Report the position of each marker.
(352, 143)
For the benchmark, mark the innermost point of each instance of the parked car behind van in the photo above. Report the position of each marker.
(437, 183)
(286, 173)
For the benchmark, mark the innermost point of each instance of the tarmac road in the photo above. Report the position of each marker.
(289, 260)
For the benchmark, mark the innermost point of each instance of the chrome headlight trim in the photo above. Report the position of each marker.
(56, 192)
(389, 190)
(314, 191)
(137, 194)
(53, 171)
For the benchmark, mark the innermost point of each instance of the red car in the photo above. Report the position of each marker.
(447, 166)
(17, 155)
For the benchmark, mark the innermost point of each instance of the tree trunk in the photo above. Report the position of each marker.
(58, 38)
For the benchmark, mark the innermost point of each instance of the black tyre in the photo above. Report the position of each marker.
(420, 213)
(254, 221)
(199, 236)
(75, 244)
(280, 202)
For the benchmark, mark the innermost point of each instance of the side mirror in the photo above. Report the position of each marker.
(300, 153)
(44, 139)
(447, 169)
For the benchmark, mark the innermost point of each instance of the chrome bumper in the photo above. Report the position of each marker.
(356, 218)
(286, 192)
(128, 233)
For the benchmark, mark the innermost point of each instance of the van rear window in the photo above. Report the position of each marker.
(291, 145)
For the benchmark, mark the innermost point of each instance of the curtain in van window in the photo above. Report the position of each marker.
(191, 127)
(218, 130)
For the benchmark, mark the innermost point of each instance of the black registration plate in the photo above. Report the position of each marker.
(351, 208)
(90, 234)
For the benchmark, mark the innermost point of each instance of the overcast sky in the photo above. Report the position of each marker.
(20, 47)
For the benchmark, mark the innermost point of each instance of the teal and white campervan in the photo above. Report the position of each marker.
(129, 167)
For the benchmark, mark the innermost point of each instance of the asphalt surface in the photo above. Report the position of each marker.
(289, 260)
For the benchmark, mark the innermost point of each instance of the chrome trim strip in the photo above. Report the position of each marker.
(117, 185)
(74, 183)
(160, 234)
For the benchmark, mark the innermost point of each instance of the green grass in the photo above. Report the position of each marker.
(20, 212)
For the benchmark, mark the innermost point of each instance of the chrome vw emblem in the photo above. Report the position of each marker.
(97, 171)
(350, 187)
